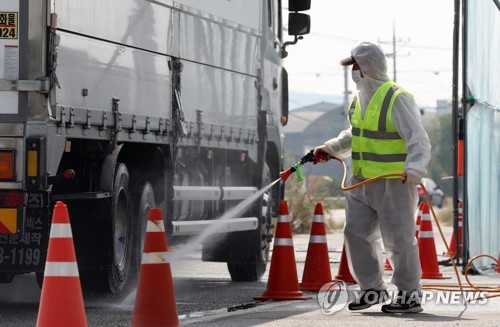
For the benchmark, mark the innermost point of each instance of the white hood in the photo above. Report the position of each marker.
(371, 59)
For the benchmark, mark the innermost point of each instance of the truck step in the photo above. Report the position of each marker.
(182, 228)
(212, 192)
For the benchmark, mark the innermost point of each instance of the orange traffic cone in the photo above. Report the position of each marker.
(427, 247)
(283, 283)
(317, 267)
(344, 274)
(387, 265)
(453, 242)
(155, 299)
(419, 218)
(61, 302)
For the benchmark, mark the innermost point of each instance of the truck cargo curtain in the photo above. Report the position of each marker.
(483, 128)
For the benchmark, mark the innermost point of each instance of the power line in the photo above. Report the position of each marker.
(407, 45)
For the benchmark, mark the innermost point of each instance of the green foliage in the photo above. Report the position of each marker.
(441, 165)
(302, 198)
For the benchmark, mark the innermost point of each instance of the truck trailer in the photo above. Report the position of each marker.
(118, 106)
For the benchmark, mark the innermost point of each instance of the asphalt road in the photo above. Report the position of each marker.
(202, 289)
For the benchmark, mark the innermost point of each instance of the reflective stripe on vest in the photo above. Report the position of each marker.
(377, 148)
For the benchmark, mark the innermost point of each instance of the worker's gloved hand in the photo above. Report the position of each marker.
(412, 177)
(320, 155)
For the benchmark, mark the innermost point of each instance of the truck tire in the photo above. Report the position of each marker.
(143, 199)
(256, 241)
(122, 231)
(110, 281)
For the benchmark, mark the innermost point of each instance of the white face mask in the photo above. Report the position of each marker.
(356, 75)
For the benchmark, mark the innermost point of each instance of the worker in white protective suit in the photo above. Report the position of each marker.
(386, 136)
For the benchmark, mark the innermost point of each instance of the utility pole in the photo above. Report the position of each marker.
(346, 86)
(393, 54)
(394, 48)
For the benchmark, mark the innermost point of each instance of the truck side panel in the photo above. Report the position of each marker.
(245, 12)
(220, 62)
(140, 79)
(206, 40)
(223, 97)
(137, 23)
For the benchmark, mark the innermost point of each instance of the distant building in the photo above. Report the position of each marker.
(431, 114)
(311, 126)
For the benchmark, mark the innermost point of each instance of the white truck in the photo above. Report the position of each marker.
(117, 106)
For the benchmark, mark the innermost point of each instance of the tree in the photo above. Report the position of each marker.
(441, 165)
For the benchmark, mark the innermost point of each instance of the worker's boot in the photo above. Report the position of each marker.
(368, 298)
(405, 302)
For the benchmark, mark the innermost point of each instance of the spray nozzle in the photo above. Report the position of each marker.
(297, 167)
(286, 173)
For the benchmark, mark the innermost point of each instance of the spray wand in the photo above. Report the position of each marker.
(297, 167)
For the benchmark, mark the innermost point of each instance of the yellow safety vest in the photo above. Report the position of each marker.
(377, 148)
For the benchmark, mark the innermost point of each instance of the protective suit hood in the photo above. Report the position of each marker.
(371, 59)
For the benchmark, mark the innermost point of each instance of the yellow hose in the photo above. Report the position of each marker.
(440, 287)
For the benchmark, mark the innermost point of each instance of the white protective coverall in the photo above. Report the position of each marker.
(384, 210)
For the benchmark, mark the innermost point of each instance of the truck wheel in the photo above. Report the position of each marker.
(142, 200)
(110, 280)
(256, 241)
(121, 217)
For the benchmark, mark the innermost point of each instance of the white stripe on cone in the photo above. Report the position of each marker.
(283, 242)
(60, 231)
(155, 226)
(284, 219)
(155, 258)
(425, 216)
(317, 239)
(318, 219)
(426, 234)
(61, 269)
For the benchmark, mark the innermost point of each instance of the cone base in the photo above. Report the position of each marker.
(298, 295)
(61, 303)
(155, 293)
(314, 287)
